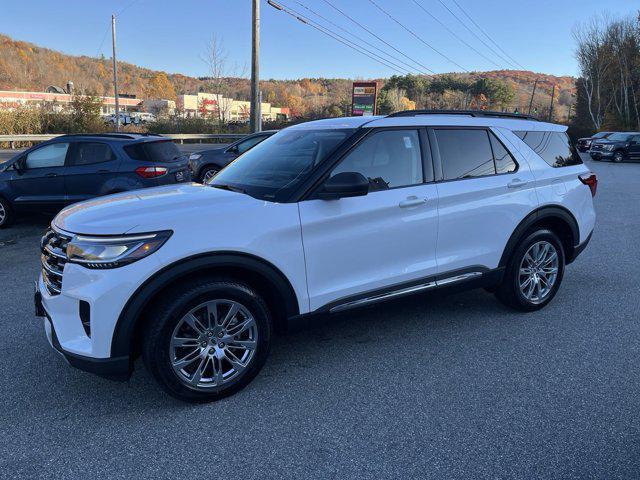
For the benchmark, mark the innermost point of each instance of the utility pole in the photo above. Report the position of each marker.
(115, 71)
(255, 67)
(535, 84)
(553, 94)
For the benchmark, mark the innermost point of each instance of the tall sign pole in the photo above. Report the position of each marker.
(255, 67)
(115, 71)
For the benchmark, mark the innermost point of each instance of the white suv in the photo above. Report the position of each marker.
(320, 218)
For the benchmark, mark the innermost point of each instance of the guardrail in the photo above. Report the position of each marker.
(176, 137)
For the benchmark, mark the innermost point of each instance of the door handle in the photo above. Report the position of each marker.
(51, 175)
(412, 201)
(516, 183)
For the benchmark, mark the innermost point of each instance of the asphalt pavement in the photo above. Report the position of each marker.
(452, 387)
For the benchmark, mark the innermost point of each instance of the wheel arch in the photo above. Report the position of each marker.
(257, 273)
(557, 219)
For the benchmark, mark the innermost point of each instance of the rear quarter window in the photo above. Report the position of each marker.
(553, 147)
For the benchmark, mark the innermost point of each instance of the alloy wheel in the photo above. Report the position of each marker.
(3, 214)
(538, 271)
(208, 175)
(213, 344)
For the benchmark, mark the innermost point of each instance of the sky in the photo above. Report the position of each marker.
(173, 35)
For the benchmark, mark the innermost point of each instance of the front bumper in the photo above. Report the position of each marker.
(118, 368)
(600, 154)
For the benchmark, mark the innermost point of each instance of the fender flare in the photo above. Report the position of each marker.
(556, 212)
(131, 313)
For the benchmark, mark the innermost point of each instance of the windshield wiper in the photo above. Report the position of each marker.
(231, 188)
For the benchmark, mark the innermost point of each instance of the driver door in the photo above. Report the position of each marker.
(383, 239)
(38, 182)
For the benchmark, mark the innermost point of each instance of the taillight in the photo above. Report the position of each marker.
(590, 180)
(151, 172)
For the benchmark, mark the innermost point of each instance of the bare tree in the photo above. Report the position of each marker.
(221, 77)
(594, 65)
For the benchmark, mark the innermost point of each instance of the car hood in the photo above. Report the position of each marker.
(151, 209)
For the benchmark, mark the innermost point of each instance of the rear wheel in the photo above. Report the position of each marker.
(534, 272)
(208, 341)
(6, 214)
(208, 173)
(618, 157)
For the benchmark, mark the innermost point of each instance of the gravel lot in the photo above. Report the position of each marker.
(455, 387)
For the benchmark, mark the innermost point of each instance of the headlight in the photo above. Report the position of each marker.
(116, 251)
(195, 156)
(609, 147)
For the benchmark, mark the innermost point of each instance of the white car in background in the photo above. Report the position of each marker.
(320, 218)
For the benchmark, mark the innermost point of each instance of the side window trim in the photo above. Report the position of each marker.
(494, 135)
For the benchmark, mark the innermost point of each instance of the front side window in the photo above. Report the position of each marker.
(620, 137)
(50, 156)
(389, 159)
(87, 153)
(247, 144)
(465, 153)
(553, 147)
(275, 167)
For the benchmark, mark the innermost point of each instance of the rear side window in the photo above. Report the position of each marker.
(89, 153)
(163, 151)
(553, 147)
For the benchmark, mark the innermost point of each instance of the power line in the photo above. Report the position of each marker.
(377, 36)
(487, 35)
(311, 23)
(454, 33)
(417, 36)
(507, 61)
(366, 42)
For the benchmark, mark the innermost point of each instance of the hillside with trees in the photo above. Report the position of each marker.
(25, 66)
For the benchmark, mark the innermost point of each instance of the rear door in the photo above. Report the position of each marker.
(484, 194)
(92, 170)
(39, 182)
(359, 245)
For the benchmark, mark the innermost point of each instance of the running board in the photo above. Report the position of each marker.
(404, 291)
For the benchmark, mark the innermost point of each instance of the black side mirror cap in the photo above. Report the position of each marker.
(233, 149)
(344, 184)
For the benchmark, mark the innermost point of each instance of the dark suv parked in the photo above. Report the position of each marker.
(72, 168)
(584, 144)
(617, 147)
(205, 164)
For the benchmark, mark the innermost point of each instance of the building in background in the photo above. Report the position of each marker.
(12, 99)
(226, 109)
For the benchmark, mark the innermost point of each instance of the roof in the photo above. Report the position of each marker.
(436, 118)
(115, 136)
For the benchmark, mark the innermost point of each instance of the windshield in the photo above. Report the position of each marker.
(275, 167)
(619, 137)
(602, 134)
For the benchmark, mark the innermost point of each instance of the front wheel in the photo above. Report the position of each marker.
(6, 214)
(208, 341)
(208, 173)
(534, 272)
(618, 157)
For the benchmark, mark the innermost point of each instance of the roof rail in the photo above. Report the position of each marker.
(471, 113)
(109, 135)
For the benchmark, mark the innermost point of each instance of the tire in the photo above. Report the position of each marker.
(618, 157)
(199, 380)
(6, 213)
(510, 293)
(208, 173)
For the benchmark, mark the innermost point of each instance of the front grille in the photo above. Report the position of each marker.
(596, 147)
(54, 257)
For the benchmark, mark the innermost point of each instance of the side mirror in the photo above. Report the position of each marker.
(233, 149)
(18, 165)
(344, 184)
